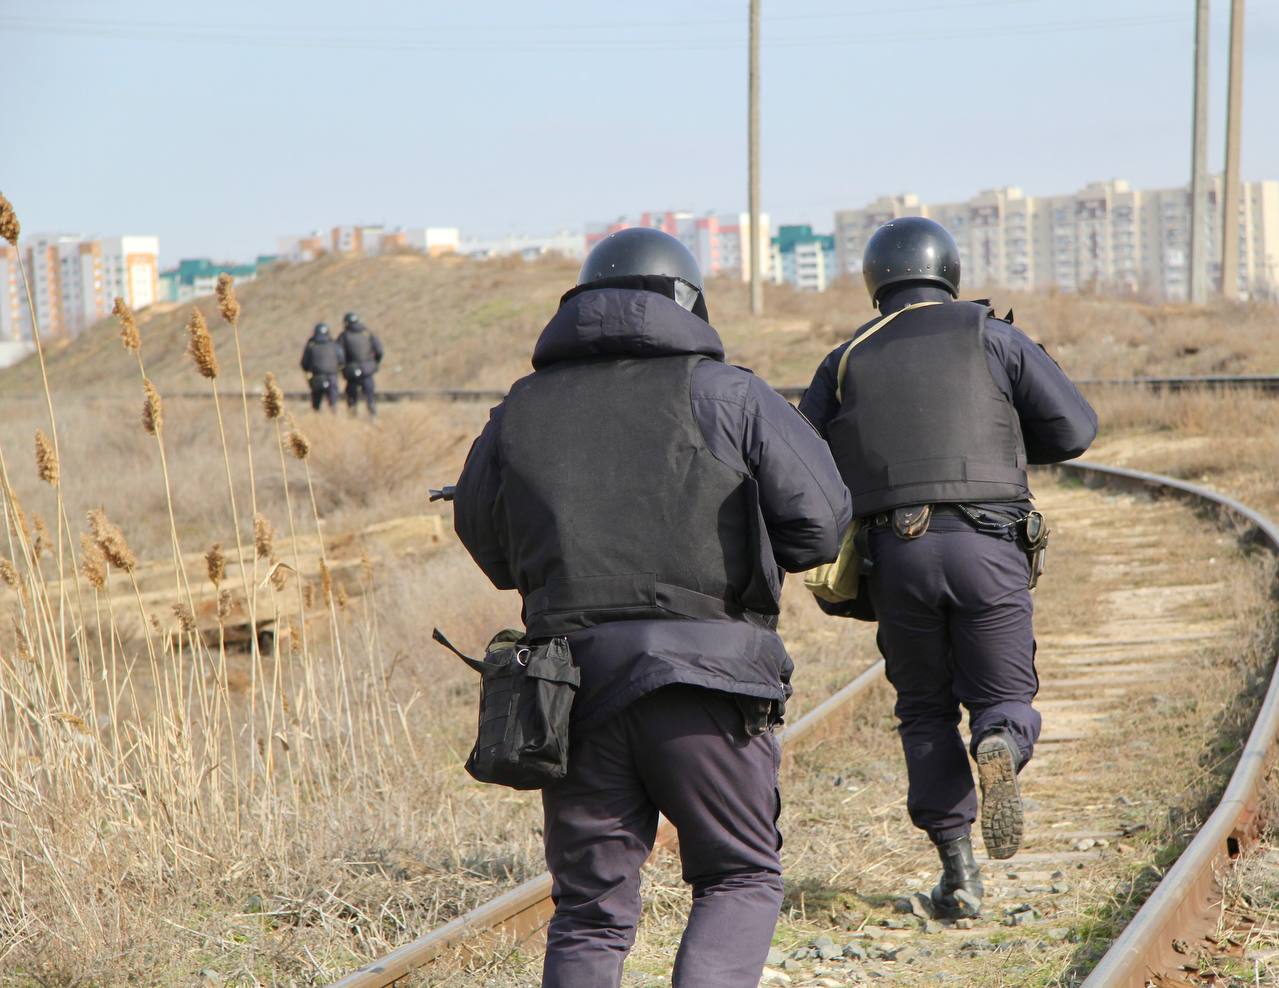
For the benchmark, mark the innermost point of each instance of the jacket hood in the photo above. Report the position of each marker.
(623, 322)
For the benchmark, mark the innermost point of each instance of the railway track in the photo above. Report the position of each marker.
(1092, 679)
(1264, 383)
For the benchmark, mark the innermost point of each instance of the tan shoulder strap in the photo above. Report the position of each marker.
(843, 361)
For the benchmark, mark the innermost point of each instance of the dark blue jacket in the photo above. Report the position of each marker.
(745, 424)
(1057, 423)
(360, 350)
(322, 356)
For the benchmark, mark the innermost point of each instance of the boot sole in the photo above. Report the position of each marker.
(1001, 810)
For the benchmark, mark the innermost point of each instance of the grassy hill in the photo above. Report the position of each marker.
(454, 322)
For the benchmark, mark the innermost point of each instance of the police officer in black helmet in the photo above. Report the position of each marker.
(933, 416)
(644, 497)
(361, 357)
(322, 362)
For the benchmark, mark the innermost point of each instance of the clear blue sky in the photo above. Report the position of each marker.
(219, 126)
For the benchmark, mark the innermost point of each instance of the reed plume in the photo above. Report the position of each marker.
(8, 573)
(272, 397)
(225, 601)
(215, 563)
(111, 541)
(228, 304)
(43, 541)
(186, 619)
(46, 459)
(18, 524)
(129, 334)
(201, 345)
(93, 564)
(9, 225)
(299, 445)
(21, 642)
(263, 536)
(152, 409)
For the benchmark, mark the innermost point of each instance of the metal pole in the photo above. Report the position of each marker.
(756, 248)
(1199, 162)
(1234, 133)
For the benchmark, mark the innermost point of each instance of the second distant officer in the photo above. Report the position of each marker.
(322, 362)
(933, 411)
(361, 357)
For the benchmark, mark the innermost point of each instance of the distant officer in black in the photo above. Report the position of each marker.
(322, 362)
(644, 497)
(944, 406)
(361, 356)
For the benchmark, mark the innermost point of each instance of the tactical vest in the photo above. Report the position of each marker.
(359, 349)
(614, 507)
(922, 420)
(324, 356)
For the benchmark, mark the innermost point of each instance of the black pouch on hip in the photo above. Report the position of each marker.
(912, 522)
(1032, 538)
(526, 696)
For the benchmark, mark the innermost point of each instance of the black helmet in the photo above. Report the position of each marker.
(641, 250)
(321, 329)
(349, 320)
(911, 248)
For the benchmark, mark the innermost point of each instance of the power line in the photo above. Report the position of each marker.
(261, 38)
(665, 25)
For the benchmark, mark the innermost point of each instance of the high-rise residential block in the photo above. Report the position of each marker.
(1107, 236)
(74, 281)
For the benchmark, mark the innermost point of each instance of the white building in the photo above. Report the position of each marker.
(717, 242)
(803, 259)
(74, 281)
(1105, 236)
(433, 240)
(302, 247)
(529, 247)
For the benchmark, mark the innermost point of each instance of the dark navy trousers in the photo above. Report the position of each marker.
(324, 387)
(954, 628)
(362, 385)
(681, 751)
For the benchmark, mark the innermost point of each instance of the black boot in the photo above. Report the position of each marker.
(1001, 811)
(958, 894)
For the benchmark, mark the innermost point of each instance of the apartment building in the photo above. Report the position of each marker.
(529, 247)
(197, 277)
(74, 281)
(719, 243)
(368, 239)
(1106, 236)
(804, 259)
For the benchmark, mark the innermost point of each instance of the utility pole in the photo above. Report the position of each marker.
(1234, 131)
(1199, 163)
(752, 168)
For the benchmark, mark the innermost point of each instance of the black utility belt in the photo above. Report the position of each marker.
(1028, 530)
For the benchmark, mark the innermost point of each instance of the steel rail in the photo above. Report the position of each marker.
(526, 908)
(1178, 907)
(1182, 906)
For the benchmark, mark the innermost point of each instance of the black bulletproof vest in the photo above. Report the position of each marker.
(922, 420)
(614, 507)
(359, 348)
(324, 356)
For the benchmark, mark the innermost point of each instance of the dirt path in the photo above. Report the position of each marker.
(1143, 625)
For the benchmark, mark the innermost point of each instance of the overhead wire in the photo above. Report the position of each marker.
(263, 37)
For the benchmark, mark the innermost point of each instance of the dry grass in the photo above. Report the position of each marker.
(171, 805)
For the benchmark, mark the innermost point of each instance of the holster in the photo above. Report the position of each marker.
(758, 714)
(1032, 537)
(911, 522)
